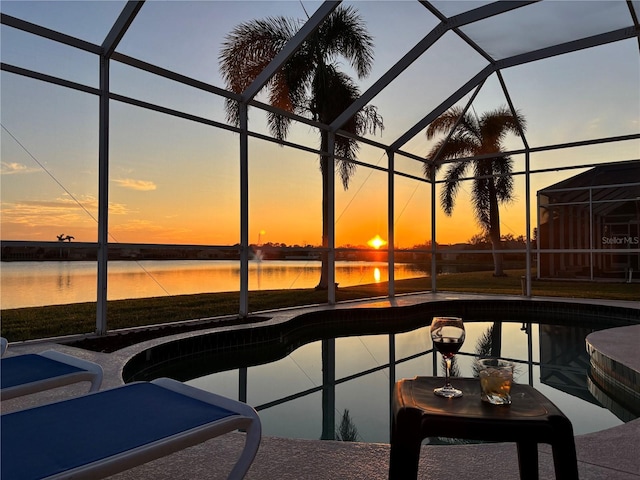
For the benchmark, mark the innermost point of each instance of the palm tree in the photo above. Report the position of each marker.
(308, 84)
(493, 183)
(489, 345)
(347, 430)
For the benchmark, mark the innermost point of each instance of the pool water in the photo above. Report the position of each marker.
(288, 392)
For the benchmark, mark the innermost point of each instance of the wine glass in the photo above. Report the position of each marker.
(447, 334)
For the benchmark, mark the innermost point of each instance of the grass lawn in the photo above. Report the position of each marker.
(58, 320)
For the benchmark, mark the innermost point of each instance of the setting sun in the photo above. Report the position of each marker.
(376, 242)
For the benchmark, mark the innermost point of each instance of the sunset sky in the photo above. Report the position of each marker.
(176, 181)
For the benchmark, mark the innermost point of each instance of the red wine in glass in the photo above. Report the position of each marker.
(448, 347)
(447, 335)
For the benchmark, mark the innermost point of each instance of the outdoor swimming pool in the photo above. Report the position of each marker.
(303, 391)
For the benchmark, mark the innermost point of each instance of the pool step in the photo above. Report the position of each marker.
(614, 378)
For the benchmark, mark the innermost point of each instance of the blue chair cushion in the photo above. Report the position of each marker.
(54, 438)
(23, 369)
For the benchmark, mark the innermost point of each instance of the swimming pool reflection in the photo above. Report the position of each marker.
(305, 394)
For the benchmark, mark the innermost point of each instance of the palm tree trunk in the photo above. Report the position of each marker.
(498, 263)
(324, 256)
(494, 231)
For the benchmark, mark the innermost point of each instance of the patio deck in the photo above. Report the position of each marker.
(612, 454)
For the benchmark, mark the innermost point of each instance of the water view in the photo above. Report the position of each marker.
(31, 284)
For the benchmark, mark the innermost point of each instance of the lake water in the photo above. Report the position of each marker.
(30, 284)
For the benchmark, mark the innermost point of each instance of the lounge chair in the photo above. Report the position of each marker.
(103, 433)
(35, 372)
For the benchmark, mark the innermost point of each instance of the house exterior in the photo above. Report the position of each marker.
(588, 224)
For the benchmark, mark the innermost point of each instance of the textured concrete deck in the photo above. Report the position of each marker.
(612, 454)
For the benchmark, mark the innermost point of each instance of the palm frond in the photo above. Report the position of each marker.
(344, 34)
(483, 349)
(333, 92)
(232, 110)
(431, 158)
(452, 184)
(368, 120)
(456, 147)
(249, 48)
(484, 342)
(503, 167)
(278, 125)
(444, 123)
(246, 51)
(347, 430)
(497, 123)
(480, 200)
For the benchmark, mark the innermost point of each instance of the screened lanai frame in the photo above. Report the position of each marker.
(462, 24)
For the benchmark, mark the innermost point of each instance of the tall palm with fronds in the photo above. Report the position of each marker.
(309, 84)
(493, 181)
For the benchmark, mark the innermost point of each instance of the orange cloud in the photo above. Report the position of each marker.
(60, 211)
(12, 168)
(140, 185)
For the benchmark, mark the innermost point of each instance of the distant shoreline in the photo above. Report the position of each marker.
(69, 251)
